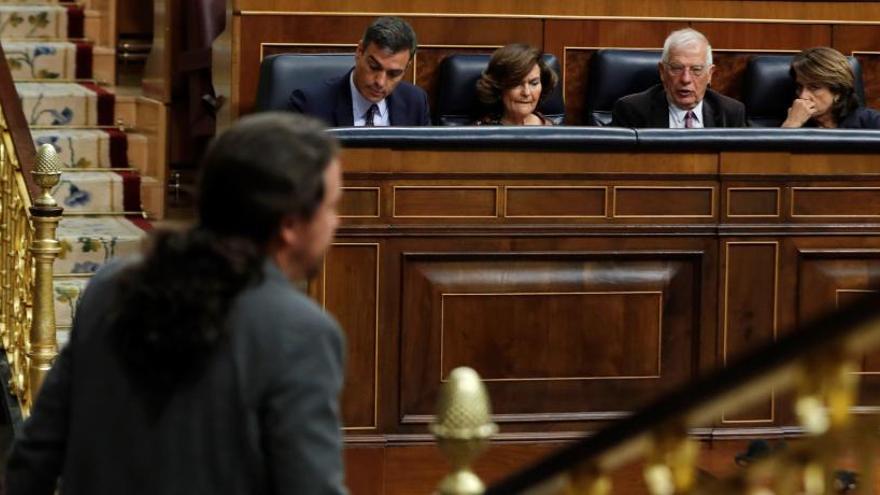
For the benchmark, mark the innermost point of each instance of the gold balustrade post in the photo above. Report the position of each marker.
(45, 214)
(463, 426)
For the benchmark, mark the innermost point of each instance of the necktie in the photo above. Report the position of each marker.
(370, 115)
(689, 120)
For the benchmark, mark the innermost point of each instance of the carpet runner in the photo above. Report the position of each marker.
(53, 67)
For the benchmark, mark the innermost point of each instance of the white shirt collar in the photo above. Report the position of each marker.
(360, 105)
(676, 116)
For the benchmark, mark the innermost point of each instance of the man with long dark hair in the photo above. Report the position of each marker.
(199, 368)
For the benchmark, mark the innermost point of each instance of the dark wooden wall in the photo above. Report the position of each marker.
(580, 285)
(572, 38)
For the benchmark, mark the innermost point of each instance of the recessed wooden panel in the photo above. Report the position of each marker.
(870, 63)
(753, 201)
(862, 42)
(749, 310)
(637, 201)
(727, 78)
(555, 201)
(445, 202)
(831, 277)
(845, 297)
(350, 294)
(835, 202)
(538, 344)
(359, 202)
(764, 36)
(564, 336)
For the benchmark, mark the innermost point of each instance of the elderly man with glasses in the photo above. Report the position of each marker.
(683, 100)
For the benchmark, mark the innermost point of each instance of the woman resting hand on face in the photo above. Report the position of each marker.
(825, 93)
(515, 82)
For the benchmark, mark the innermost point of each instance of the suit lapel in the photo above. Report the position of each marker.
(709, 117)
(659, 109)
(342, 113)
(395, 109)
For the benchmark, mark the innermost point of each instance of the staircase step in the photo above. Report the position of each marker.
(98, 191)
(60, 104)
(86, 148)
(56, 22)
(89, 242)
(57, 60)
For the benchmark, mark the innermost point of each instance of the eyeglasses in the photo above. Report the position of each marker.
(678, 69)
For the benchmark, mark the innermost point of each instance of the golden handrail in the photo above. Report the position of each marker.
(27, 252)
(818, 362)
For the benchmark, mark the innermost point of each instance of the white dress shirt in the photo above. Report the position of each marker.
(360, 105)
(676, 116)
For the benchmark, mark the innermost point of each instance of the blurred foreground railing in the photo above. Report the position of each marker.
(818, 362)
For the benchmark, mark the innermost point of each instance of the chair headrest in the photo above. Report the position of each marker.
(457, 90)
(768, 90)
(281, 74)
(617, 73)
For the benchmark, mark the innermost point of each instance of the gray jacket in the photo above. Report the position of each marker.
(262, 419)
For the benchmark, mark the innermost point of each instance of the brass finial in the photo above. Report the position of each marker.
(463, 427)
(46, 174)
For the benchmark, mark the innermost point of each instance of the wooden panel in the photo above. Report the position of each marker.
(660, 201)
(752, 202)
(365, 470)
(749, 310)
(864, 43)
(417, 470)
(559, 201)
(350, 294)
(546, 332)
(445, 202)
(539, 345)
(358, 202)
(835, 202)
(728, 78)
(764, 36)
(870, 63)
(829, 277)
(693, 9)
(871, 360)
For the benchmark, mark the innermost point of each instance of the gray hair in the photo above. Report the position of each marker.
(683, 37)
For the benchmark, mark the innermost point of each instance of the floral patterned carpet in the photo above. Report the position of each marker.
(51, 59)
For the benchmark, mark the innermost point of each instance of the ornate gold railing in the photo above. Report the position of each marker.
(28, 249)
(28, 219)
(817, 363)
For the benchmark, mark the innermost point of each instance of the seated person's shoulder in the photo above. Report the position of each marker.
(868, 118)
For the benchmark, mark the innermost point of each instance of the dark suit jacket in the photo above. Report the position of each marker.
(651, 109)
(331, 101)
(861, 118)
(262, 419)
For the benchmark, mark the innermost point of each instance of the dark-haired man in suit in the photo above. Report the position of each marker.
(373, 93)
(684, 99)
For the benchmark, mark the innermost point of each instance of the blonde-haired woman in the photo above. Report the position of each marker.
(825, 93)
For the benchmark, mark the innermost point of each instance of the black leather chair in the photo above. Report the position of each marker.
(457, 92)
(617, 73)
(768, 90)
(281, 74)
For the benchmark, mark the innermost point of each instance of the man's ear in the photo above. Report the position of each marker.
(288, 233)
(360, 48)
